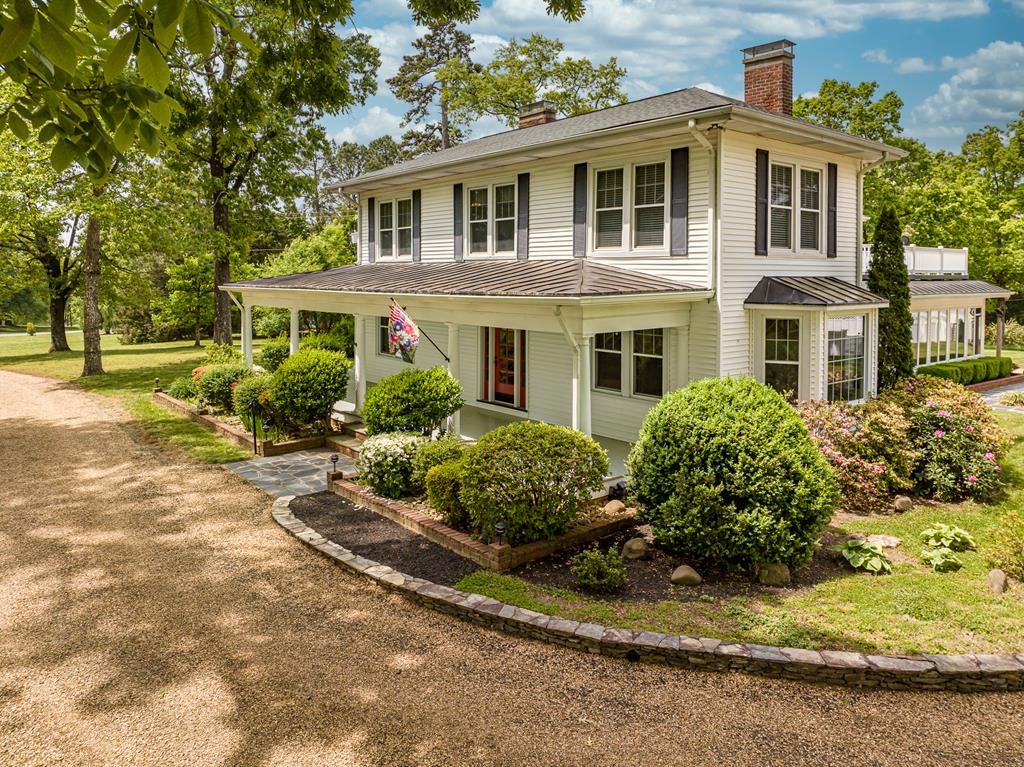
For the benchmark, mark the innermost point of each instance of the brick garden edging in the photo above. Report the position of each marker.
(491, 556)
(997, 383)
(961, 673)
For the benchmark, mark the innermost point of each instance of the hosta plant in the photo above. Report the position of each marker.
(940, 536)
(941, 560)
(865, 555)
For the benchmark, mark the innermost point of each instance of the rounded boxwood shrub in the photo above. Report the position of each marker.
(599, 572)
(307, 384)
(534, 477)
(182, 387)
(216, 383)
(444, 482)
(725, 472)
(432, 454)
(414, 400)
(251, 393)
(385, 462)
(273, 353)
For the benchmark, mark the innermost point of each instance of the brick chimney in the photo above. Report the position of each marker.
(768, 76)
(537, 113)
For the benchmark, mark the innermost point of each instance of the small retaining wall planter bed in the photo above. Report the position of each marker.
(491, 556)
(962, 673)
(264, 447)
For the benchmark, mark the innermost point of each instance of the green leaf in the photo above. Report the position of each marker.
(18, 126)
(165, 34)
(62, 11)
(117, 59)
(120, 15)
(150, 139)
(152, 65)
(198, 29)
(168, 12)
(15, 37)
(63, 154)
(57, 47)
(241, 36)
(124, 137)
(95, 11)
(47, 133)
(161, 110)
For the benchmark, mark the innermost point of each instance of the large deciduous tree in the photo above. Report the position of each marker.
(525, 71)
(417, 83)
(189, 290)
(888, 278)
(247, 111)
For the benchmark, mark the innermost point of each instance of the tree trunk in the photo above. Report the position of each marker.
(222, 261)
(58, 308)
(91, 299)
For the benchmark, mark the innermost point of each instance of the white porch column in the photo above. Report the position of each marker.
(359, 366)
(584, 386)
(247, 333)
(293, 332)
(455, 422)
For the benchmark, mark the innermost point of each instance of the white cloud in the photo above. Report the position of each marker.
(988, 87)
(376, 121)
(877, 56)
(913, 66)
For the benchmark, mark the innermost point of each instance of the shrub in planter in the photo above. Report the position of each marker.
(725, 472)
(1006, 549)
(414, 400)
(183, 388)
(385, 463)
(252, 393)
(444, 482)
(534, 477)
(217, 382)
(307, 384)
(273, 353)
(222, 354)
(432, 454)
(598, 571)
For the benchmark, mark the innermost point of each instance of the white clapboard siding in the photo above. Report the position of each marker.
(379, 366)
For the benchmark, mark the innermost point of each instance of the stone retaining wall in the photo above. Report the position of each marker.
(962, 673)
(491, 556)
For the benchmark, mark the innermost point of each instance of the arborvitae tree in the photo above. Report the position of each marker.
(888, 278)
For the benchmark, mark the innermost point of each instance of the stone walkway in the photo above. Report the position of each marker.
(992, 397)
(298, 473)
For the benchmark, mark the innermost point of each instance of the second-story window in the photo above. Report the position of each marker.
(608, 209)
(649, 205)
(504, 218)
(810, 209)
(387, 228)
(405, 227)
(782, 206)
(395, 228)
(478, 220)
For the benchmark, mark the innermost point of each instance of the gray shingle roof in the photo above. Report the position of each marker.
(921, 288)
(568, 278)
(826, 292)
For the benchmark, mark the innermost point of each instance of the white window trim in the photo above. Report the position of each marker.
(760, 324)
(491, 220)
(392, 255)
(798, 164)
(867, 375)
(628, 180)
(626, 368)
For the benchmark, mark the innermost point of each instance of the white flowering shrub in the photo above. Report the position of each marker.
(386, 462)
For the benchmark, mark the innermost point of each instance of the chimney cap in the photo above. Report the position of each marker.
(768, 50)
(538, 106)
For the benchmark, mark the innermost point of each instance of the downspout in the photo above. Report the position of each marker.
(575, 367)
(712, 200)
(864, 169)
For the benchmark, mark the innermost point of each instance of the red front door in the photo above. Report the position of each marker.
(505, 365)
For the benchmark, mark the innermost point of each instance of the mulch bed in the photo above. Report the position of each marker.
(370, 535)
(647, 580)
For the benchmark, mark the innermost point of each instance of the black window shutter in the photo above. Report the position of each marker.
(415, 224)
(678, 226)
(457, 204)
(761, 207)
(579, 210)
(833, 198)
(371, 229)
(523, 218)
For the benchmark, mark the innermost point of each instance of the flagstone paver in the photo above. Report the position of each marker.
(993, 396)
(299, 473)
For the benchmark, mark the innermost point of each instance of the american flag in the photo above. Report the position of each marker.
(403, 335)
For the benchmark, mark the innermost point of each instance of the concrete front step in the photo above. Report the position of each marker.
(345, 444)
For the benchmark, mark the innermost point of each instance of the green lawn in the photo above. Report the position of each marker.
(130, 377)
(913, 610)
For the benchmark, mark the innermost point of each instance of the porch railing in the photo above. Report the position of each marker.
(929, 262)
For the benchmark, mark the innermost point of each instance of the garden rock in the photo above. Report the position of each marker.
(635, 548)
(773, 575)
(885, 541)
(614, 507)
(997, 581)
(902, 503)
(684, 575)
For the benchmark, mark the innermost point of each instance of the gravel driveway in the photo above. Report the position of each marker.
(151, 613)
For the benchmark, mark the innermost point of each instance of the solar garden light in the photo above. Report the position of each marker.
(499, 530)
(157, 384)
(334, 461)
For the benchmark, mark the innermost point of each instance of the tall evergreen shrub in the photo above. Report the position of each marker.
(888, 278)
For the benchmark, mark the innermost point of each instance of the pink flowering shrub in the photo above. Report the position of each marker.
(954, 464)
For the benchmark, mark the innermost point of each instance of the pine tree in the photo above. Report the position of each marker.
(889, 279)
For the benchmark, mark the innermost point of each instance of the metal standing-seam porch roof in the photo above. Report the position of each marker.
(824, 292)
(956, 288)
(573, 278)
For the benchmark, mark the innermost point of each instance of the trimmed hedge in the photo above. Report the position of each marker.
(725, 472)
(414, 400)
(444, 482)
(307, 384)
(433, 454)
(251, 393)
(217, 382)
(970, 371)
(273, 353)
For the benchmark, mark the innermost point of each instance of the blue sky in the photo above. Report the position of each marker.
(957, 64)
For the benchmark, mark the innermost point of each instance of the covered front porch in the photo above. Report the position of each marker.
(948, 319)
(522, 338)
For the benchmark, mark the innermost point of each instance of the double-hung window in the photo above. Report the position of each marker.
(630, 216)
(846, 367)
(782, 355)
(645, 349)
(649, 205)
(478, 218)
(387, 229)
(796, 197)
(810, 209)
(608, 219)
(395, 228)
(504, 218)
(492, 219)
(782, 206)
(404, 227)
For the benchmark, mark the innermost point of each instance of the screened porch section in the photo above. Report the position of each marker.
(947, 334)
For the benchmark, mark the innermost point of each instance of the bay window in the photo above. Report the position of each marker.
(846, 355)
(782, 355)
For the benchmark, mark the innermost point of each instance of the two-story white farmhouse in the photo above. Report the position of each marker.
(574, 270)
